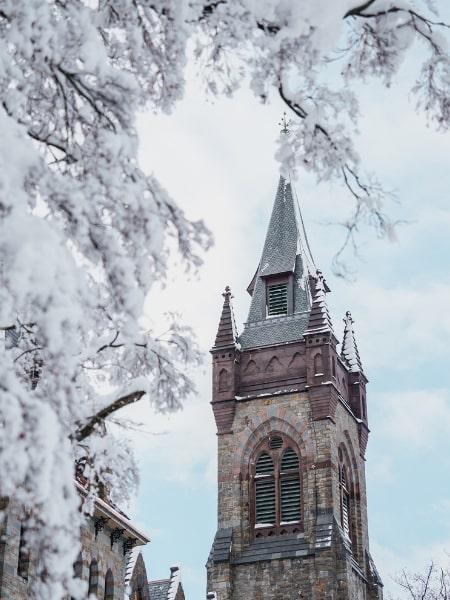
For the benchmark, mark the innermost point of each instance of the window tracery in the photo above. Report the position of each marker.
(276, 488)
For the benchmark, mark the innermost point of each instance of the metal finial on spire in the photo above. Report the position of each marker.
(285, 124)
(227, 293)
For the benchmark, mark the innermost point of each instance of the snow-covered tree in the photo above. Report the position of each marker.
(84, 233)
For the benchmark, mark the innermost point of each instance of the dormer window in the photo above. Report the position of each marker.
(277, 300)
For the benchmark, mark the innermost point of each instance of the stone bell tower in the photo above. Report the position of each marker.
(290, 410)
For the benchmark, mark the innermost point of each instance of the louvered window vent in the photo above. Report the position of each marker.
(345, 516)
(290, 499)
(277, 300)
(289, 460)
(264, 464)
(345, 503)
(276, 488)
(265, 501)
(275, 442)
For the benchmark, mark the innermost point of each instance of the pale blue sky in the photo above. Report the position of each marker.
(217, 160)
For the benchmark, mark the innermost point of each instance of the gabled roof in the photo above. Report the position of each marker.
(131, 558)
(159, 589)
(349, 352)
(167, 589)
(286, 251)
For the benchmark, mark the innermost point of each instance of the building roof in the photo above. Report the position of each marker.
(116, 518)
(159, 589)
(131, 558)
(167, 589)
(286, 250)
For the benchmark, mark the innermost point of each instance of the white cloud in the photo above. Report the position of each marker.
(398, 327)
(414, 417)
(177, 447)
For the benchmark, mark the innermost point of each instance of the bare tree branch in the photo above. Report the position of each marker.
(88, 429)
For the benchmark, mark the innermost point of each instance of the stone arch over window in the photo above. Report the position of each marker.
(109, 585)
(93, 577)
(268, 427)
(224, 380)
(296, 362)
(273, 365)
(318, 364)
(251, 368)
(275, 486)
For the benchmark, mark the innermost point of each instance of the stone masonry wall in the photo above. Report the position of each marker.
(12, 585)
(107, 557)
(15, 587)
(328, 574)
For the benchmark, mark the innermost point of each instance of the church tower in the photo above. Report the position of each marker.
(292, 430)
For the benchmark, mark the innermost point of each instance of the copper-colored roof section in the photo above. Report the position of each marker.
(226, 333)
(350, 353)
(319, 318)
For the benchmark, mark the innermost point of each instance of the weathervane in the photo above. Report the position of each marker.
(284, 124)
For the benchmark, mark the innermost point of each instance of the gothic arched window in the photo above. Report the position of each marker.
(318, 364)
(276, 502)
(23, 563)
(347, 497)
(109, 585)
(93, 577)
(78, 567)
(345, 501)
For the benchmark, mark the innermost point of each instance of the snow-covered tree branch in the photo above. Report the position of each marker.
(85, 233)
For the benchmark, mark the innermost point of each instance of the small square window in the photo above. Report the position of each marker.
(277, 300)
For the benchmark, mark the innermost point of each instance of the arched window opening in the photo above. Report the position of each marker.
(277, 490)
(364, 407)
(23, 564)
(345, 502)
(109, 585)
(289, 460)
(78, 567)
(333, 367)
(318, 364)
(264, 491)
(93, 577)
(224, 380)
(290, 487)
(275, 442)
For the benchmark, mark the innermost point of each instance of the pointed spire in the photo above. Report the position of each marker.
(350, 352)
(319, 317)
(226, 333)
(286, 255)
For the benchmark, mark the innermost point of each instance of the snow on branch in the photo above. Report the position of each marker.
(85, 233)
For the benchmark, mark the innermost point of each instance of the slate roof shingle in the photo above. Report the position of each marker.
(159, 589)
(286, 250)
